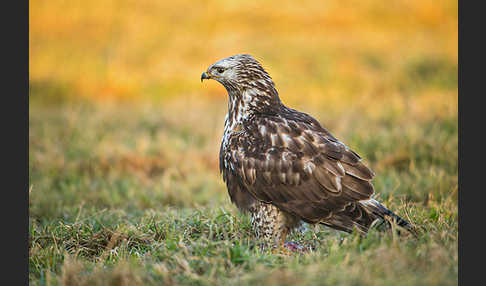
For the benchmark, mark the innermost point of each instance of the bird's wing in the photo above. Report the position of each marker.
(298, 166)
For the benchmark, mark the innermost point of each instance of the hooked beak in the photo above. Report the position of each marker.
(205, 76)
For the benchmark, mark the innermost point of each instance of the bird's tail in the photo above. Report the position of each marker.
(386, 216)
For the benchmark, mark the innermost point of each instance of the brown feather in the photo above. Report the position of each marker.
(328, 180)
(362, 187)
(278, 155)
(359, 171)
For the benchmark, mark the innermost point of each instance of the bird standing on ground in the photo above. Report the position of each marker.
(282, 166)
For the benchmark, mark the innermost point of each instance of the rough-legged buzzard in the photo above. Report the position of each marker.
(282, 166)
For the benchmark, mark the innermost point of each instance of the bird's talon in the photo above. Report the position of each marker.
(295, 247)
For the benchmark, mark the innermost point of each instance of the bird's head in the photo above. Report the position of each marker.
(239, 73)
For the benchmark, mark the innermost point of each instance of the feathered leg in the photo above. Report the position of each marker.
(271, 225)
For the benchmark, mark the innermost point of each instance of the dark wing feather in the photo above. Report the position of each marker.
(295, 164)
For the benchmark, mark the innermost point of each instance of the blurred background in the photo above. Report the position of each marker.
(119, 117)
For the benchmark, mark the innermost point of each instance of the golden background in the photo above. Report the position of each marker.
(327, 53)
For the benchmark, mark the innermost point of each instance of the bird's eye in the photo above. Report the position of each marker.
(220, 70)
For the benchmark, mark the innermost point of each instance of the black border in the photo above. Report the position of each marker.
(15, 139)
(471, 124)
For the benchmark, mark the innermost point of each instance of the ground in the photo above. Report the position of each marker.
(132, 193)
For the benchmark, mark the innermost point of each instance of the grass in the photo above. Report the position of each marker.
(131, 195)
(124, 139)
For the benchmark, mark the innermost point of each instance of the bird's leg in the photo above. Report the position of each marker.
(272, 227)
(283, 237)
(280, 243)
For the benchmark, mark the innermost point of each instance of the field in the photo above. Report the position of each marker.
(124, 187)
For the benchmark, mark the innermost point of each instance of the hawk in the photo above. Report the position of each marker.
(285, 168)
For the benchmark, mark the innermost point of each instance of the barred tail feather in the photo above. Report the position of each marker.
(386, 215)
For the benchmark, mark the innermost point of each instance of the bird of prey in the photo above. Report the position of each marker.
(284, 167)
